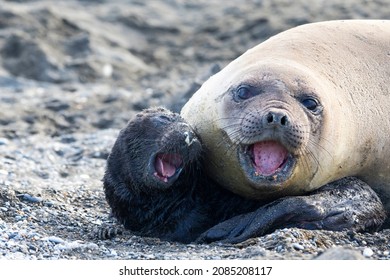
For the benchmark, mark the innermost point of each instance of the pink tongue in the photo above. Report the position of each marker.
(268, 157)
(166, 165)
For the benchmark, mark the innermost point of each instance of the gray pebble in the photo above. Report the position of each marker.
(55, 239)
(3, 172)
(67, 139)
(112, 253)
(339, 253)
(30, 198)
(48, 203)
(298, 246)
(3, 141)
(368, 252)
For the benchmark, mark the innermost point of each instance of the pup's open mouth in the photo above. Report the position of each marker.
(167, 166)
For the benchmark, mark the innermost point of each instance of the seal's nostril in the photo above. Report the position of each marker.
(283, 120)
(270, 118)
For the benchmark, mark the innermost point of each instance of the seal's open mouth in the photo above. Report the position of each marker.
(167, 166)
(266, 162)
(268, 157)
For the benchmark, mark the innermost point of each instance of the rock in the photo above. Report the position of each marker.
(339, 253)
(3, 141)
(55, 239)
(30, 198)
(367, 252)
(298, 246)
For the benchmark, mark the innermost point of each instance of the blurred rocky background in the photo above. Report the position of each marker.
(73, 72)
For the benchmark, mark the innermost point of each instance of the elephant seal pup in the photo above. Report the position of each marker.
(152, 177)
(304, 108)
(156, 187)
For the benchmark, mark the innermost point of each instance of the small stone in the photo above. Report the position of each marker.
(149, 256)
(85, 176)
(107, 70)
(367, 252)
(113, 253)
(3, 172)
(386, 253)
(42, 174)
(92, 246)
(339, 253)
(48, 203)
(55, 239)
(3, 141)
(67, 139)
(298, 246)
(57, 105)
(40, 90)
(30, 198)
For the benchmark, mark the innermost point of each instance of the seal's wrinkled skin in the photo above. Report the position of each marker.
(155, 186)
(307, 107)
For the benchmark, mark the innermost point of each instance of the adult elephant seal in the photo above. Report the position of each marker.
(304, 108)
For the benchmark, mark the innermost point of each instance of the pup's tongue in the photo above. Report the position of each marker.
(268, 157)
(166, 165)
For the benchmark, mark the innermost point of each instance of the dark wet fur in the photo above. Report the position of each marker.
(194, 207)
(180, 212)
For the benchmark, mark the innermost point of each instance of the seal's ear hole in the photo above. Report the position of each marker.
(310, 103)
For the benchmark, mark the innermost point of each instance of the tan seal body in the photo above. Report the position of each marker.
(304, 108)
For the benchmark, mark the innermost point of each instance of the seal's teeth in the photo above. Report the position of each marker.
(248, 150)
(189, 141)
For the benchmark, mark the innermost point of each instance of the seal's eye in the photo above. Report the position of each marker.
(162, 119)
(244, 92)
(310, 103)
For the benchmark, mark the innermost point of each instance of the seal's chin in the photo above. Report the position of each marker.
(167, 167)
(266, 162)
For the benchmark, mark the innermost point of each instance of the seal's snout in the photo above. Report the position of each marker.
(275, 119)
(266, 153)
(270, 125)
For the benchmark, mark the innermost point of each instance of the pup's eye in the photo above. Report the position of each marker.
(162, 119)
(310, 103)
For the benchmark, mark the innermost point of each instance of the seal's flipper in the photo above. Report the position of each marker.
(345, 204)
